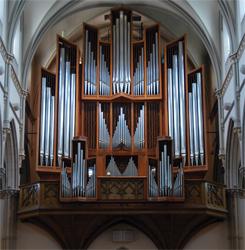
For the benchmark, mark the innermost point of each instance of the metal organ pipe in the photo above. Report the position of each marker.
(51, 139)
(47, 102)
(61, 104)
(67, 102)
(191, 128)
(165, 173)
(47, 134)
(176, 107)
(196, 121)
(182, 100)
(153, 64)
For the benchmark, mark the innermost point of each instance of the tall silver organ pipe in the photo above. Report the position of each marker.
(47, 103)
(182, 100)
(104, 70)
(165, 173)
(138, 82)
(139, 131)
(67, 100)
(47, 112)
(200, 117)
(121, 54)
(176, 107)
(61, 104)
(90, 62)
(152, 63)
(196, 120)
(121, 135)
(104, 136)
(176, 99)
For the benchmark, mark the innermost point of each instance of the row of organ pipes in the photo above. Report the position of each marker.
(66, 101)
(121, 60)
(165, 185)
(176, 99)
(83, 178)
(121, 40)
(121, 136)
(196, 120)
(46, 152)
(152, 69)
(113, 170)
(90, 61)
(139, 135)
(139, 82)
(104, 136)
(104, 70)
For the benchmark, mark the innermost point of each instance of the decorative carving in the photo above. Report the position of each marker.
(193, 193)
(51, 194)
(215, 196)
(122, 189)
(29, 196)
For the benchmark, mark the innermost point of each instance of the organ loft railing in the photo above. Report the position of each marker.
(126, 122)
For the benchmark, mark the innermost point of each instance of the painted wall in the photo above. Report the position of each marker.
(30, 236)
(104, 241)
(215, 236)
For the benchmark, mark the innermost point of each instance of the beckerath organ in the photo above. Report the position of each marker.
(122, 119)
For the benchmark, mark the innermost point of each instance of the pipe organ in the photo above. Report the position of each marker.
(122, 109)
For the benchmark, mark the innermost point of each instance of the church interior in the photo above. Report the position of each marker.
(122, 124)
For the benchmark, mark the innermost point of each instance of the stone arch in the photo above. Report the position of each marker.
(233, 157)
(57, 13)
(140, 237)
(242, 172)
(11, 158)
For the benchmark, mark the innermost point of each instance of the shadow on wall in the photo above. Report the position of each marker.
(124, 237)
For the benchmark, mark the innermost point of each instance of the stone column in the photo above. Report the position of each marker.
(8, 218)
(236, 207)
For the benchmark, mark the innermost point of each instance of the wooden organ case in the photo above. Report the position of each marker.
(127, 122)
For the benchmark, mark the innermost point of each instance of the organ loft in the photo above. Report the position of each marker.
(121, 129)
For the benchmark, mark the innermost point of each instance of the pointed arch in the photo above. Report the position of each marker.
(11, 158)
(233, 157)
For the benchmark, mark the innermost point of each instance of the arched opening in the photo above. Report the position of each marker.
(11, 158)
(122, 236)
(233, 160)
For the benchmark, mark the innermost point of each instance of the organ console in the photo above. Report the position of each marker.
(127, 112)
